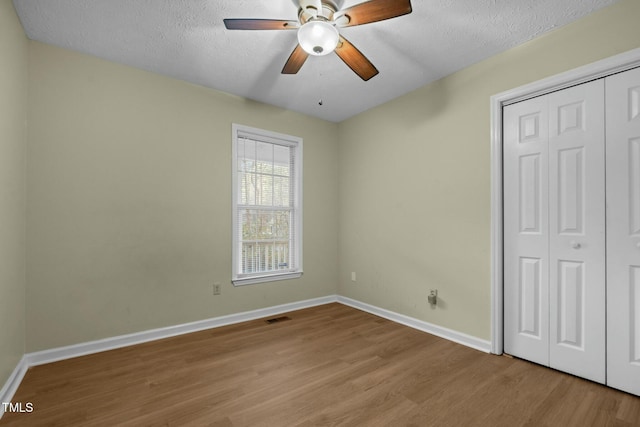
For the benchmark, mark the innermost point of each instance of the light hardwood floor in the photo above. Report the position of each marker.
(328, 365)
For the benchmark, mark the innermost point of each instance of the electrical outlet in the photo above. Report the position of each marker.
(433, 297)
(353, 276)
(216, 288)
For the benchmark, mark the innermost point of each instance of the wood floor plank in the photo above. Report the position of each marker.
(330, 365)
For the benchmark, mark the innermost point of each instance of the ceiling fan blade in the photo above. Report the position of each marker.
(355, 59)
(373, 11)
(295, 61)
(260, 24)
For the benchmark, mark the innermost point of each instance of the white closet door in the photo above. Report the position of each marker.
(526, 241)
(577, 274)
(623, 231)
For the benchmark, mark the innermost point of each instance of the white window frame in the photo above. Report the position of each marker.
(237, 277)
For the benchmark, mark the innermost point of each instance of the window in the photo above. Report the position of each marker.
(267, 206)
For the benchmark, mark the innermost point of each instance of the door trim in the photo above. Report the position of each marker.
(597, 70)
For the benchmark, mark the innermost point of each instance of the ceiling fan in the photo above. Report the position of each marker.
(318, 27)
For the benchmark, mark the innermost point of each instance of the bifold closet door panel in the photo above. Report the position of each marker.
(623, 231)
(577, 273)
(554, 230)
(526, 242)
(577, 276)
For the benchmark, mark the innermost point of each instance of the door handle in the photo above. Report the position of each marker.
(575, 245)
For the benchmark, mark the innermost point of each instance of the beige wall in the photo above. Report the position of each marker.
(415, 177)
(128, 208)
(13, 115)
(129, 211)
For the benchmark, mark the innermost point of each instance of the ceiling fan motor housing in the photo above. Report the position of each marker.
(309, 10)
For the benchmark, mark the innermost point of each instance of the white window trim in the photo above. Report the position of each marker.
(266, 136)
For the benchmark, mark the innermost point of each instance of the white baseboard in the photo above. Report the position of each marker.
(11, 386)
(82, 349)
(449, 334)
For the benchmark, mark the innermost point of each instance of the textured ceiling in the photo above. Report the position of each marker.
(186, 39)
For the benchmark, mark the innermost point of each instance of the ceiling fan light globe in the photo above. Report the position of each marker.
(318, 38)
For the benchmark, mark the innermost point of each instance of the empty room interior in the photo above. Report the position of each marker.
(430, 253)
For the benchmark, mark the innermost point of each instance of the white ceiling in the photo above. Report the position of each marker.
(186, 39)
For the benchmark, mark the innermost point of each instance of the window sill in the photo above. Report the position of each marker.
(262, 279)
